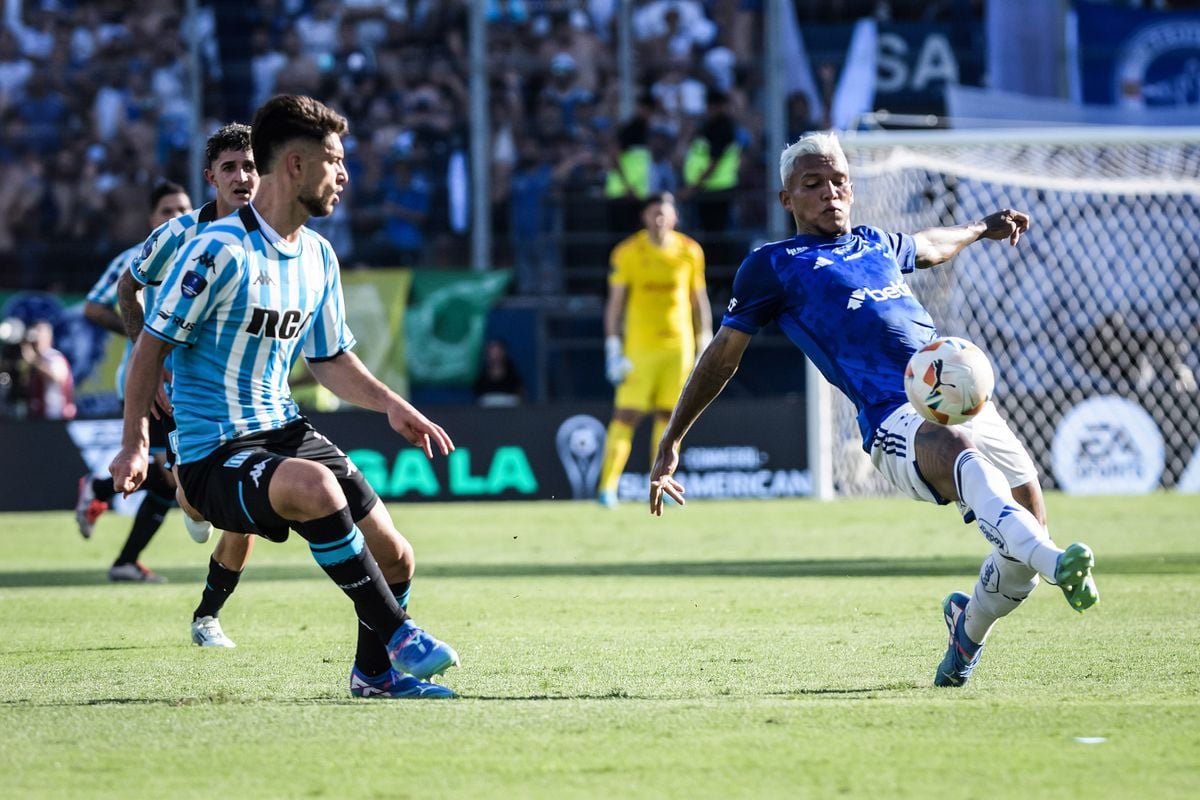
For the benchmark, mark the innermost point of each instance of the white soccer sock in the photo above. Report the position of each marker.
(1001, 587)
(1004, 522)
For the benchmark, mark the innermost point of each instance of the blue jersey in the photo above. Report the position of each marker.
(240, 303)
(104, 293)
(844, 302)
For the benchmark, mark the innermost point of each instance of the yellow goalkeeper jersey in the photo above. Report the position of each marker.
(660, 282)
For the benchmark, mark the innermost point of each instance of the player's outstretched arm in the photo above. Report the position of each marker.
(142, 383)
(347, 377)
(716, 366)
(939, 245)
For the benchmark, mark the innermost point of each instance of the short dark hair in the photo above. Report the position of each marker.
(286, 117)
(161, 190)
(234, 136)
(666, 198)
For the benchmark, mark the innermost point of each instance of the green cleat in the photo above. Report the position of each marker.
(1074, 577)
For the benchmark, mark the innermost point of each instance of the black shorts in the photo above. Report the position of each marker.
(160, 436)
(230, 485)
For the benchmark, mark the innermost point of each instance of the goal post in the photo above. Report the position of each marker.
(1100, 299)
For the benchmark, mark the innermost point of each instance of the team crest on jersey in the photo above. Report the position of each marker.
(206, 261)
(193, 284)
(148, 246)
(733, 301)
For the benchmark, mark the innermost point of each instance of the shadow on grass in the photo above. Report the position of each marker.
(219, 700)
(1178, 564)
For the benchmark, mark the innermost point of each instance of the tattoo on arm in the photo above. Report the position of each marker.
(130, 303)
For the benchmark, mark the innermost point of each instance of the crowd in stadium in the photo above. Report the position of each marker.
(94, 110)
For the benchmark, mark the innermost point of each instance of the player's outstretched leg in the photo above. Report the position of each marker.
(962, 654)
(1004, 522)
(1074, 576)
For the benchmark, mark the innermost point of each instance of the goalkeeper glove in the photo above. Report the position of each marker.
(616, 365)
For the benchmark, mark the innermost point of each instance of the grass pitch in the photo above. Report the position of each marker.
(748, 649)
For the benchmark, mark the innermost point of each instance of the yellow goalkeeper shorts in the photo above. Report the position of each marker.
(655, 381)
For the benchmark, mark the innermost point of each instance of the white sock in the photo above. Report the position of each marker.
(1001, 587)
(1005, 523)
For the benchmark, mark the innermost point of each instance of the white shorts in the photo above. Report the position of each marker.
(894, 450)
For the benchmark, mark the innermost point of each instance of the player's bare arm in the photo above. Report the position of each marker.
(129, 301)
(716, 366)
(142, 383)
(133, 319)
(346, 376)
(103, 316)
(939, 245)
(701, 319)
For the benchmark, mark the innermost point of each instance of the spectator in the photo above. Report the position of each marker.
(51, 388)
(498, 382)
(565, 91)
(710, 169)
(15, 71)
(628, 179)
(406, 200)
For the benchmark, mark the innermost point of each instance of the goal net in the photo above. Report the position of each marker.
(1102, 298)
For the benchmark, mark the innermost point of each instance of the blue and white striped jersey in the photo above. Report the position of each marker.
(155, 257)
(104, 293)
(241, 303)
(158, 253)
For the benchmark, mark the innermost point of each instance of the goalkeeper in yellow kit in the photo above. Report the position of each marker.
(658, 300)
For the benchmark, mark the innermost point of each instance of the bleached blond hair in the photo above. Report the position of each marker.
(810, 144)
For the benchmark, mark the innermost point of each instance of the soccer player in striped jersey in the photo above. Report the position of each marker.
(241, 302)
(839, 294)
(167, 201)
(232, 174)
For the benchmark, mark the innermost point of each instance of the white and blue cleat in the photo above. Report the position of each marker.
(415, 652)
(392, 685)
(961, 654)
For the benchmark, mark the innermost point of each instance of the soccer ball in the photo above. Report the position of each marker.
(949, 380)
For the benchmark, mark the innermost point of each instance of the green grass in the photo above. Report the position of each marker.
(750, 649)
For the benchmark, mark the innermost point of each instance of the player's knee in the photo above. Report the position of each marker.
(305, 490)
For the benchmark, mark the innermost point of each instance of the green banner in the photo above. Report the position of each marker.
(445, 324)
(375, 309)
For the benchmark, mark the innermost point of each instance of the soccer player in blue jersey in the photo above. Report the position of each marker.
(838, 292)
(240, 303)
(167, 201)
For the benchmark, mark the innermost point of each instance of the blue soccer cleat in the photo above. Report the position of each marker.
(391, 685)
(414, 651)
(961, 654)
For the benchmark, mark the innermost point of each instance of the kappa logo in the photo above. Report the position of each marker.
(893, 291)
(733, 301)
(264, 279)
(257, 472)
(206, 261)
(822, 262)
